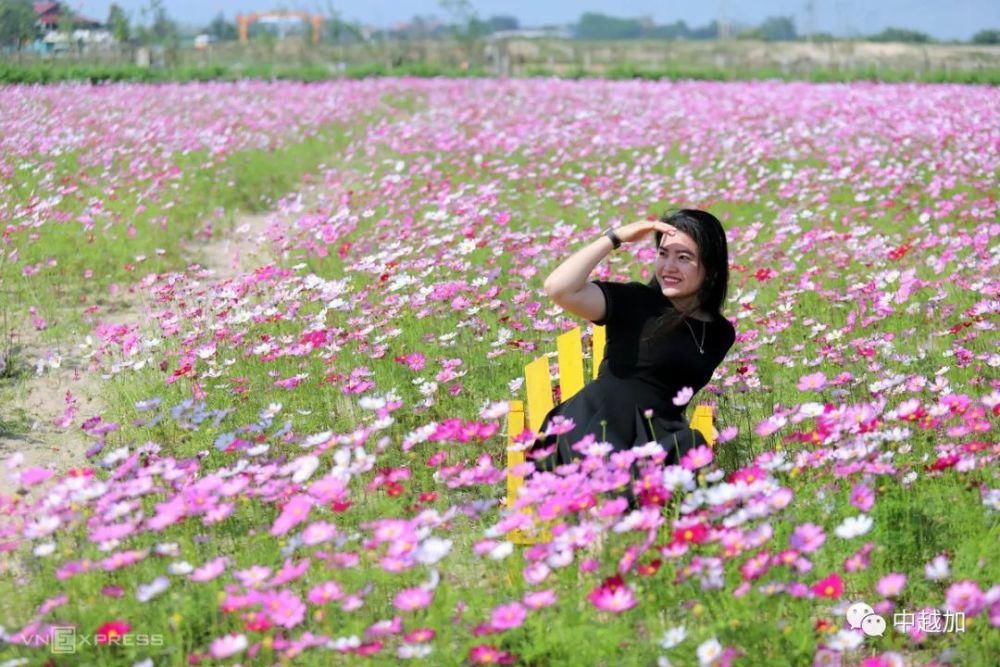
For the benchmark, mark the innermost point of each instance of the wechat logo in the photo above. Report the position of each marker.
(862, 617)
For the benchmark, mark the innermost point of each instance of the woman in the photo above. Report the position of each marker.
(662, 336)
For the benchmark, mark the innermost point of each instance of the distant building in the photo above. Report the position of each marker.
(86, 33)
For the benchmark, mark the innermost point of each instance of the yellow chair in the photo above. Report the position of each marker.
(538, 391)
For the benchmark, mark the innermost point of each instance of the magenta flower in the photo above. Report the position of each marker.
(807, 538)
(891, 584)
(283, 608)
(508, 616)
(325, 592)
(862, 497)
(698, 457)
(539, 599)
(294, 513)
(964, 596)
(811, 382)
(410, 599)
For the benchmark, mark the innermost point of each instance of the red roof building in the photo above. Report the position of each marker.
(47, 15)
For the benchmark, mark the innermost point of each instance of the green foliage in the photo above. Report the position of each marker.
(600, 26)
(17, 22)
(221, 29)
(118, 23)
(901, 35)
(986, 37)
(774, 29)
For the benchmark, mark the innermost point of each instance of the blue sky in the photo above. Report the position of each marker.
(943, 19)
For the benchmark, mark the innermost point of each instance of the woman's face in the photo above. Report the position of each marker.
(679, 271)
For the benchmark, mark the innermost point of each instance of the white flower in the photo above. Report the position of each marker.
(180, 567)
(501, 551)
(663, 661)
(854, 526)
(145, 662)
(45, 549)
(674, 476)
(709, 651)
(146, 592)
(305, 467)
(408, 651)
(432, 550)
(937, 569)
(845, 640)
(673, 637)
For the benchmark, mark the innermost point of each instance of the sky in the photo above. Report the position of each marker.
(942, 19)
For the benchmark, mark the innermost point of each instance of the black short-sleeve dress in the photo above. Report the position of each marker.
(640, 373)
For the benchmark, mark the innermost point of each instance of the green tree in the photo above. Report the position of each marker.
(221, 29)
(17, 22)
(118, 23)
(901, 35)
(986, 37)
(466, 26)
(601, 26)
(778, 29)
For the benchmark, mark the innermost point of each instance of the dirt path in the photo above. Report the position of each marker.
(53, 439)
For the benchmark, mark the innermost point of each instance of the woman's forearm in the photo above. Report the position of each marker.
(572, 274)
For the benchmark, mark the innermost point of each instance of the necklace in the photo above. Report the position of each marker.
(701, 346)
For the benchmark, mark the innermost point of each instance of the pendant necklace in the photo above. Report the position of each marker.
(701, 347)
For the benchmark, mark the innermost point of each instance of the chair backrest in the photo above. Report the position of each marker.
(538, 393)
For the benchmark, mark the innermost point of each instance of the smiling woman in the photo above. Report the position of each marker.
(665, 338)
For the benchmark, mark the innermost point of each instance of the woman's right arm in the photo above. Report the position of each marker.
(568, 285)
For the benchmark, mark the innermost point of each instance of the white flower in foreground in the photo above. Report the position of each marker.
(432, 550)
(501, 551)
(854, 526)
(937, 569)
(845, 640)
(146, 592)
(223, 647)
(709, 651)
(673, 637)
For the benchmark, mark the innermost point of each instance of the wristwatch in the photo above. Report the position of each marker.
(615, 241)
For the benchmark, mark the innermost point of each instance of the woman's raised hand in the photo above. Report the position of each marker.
(635, 231)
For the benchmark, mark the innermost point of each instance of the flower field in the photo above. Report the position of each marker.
(304, 463)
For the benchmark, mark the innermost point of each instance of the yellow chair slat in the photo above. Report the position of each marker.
(538, 385)
(515, 424)
(598, 341)
(570, 346)
(701, 420)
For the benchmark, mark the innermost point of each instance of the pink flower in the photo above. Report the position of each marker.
(964, 596)
(410, 599)
(613, 595)
(35, 475)
(862, 497)
(683, 396)
(284, 608)
(228, 645)
(539, 599)
(325, 592)
(807, 538)
(891, 584)
(209, 570)
(112, 631)
(294, 513)
(699, 457)
(484, 654)
(829, 587)
(814, 381)
(508, 616)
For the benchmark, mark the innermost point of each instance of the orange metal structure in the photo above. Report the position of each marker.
(243, 21)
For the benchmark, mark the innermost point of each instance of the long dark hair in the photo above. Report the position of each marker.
(707, 232)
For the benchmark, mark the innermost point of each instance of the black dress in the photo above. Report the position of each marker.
(637, 373)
